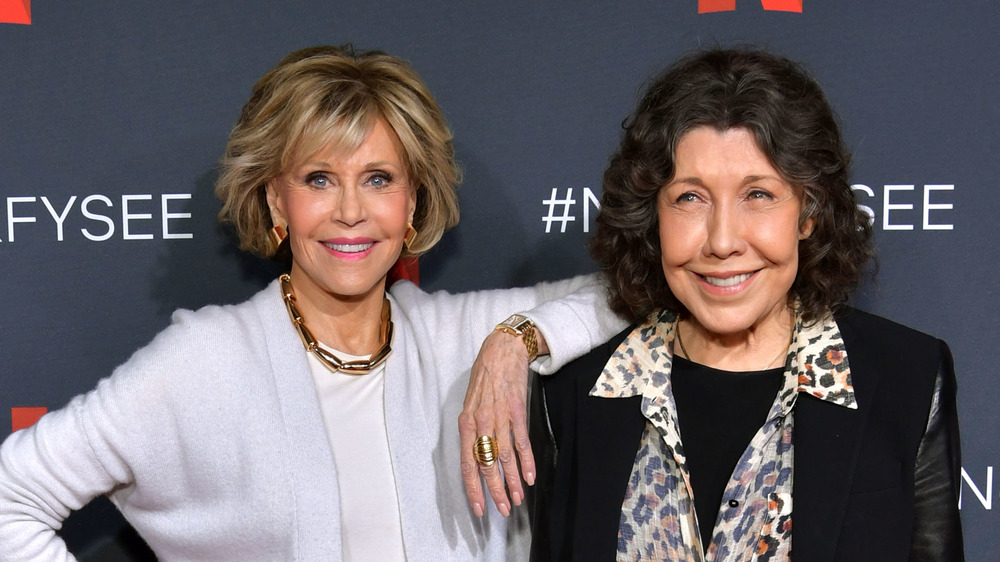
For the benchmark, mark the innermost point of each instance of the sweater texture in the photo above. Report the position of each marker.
(211, 442)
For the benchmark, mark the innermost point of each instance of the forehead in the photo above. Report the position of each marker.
(709, 149)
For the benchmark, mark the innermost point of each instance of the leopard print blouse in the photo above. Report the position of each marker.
(754, 523)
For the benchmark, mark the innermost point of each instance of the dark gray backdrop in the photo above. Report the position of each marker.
(128, 105)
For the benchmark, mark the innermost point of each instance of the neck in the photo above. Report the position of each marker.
(349, 324)
(759, 347)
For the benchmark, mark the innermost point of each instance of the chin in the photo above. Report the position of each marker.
(721, 321)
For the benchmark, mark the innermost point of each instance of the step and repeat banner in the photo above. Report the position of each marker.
(113, 116)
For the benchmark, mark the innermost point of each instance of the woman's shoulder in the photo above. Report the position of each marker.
(225, 331)
(876, 342)
(406, 292)
(858, 324)
(214, 317)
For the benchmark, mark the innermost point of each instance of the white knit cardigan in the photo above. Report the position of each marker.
(211, 442)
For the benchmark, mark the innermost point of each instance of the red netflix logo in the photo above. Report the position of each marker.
(15, 11)
(21, 418)
(706, 6)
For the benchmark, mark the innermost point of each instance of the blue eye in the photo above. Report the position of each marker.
(318, 181)
(380, 180)
(687, 198)
(759, 194)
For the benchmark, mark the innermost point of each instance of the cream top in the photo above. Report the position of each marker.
(353, 408)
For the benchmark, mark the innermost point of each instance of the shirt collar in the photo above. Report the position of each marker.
(817, 365)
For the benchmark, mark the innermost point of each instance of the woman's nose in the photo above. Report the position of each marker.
(350, 208)
(724, 232)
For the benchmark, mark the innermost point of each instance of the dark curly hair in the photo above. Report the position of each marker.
(793, 125)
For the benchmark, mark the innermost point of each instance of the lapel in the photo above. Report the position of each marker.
(597, 440)
(422, 489)
(608, 435)
(827, 440)
(310, 460)
(607, 438)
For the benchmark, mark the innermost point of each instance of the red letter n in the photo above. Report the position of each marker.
(706, 6)
(15, 11)
(21, 418)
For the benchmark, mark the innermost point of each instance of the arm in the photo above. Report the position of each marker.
(937, 527)
(454, 325)
(46, 472)
(495, 403)
(130, 438)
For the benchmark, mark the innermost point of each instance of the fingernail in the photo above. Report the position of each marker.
(478, 509)
(529, 477)
(504, 510)
(516, 496)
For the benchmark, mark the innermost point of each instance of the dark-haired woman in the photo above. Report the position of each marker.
(747, 396)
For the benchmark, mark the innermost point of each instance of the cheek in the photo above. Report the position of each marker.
(778, 239)
(678, 242)
(393, 215)
(303, 214)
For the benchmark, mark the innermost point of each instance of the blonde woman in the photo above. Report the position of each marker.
(314, 421)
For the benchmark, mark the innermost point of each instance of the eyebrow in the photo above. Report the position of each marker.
(690, 181)
(751, 179)
(380, 164)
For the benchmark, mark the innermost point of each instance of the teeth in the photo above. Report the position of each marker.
(727, 281)
(350, 248)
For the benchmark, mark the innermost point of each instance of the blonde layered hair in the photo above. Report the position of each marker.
(323, 94)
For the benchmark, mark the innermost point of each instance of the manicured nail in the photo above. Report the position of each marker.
(516, 496)
(529, 477)
(504, 510)
(478, 509)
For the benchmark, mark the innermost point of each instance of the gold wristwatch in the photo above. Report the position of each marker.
(519, 325)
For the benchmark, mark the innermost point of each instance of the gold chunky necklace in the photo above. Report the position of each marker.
(328, 359)
(687, 355)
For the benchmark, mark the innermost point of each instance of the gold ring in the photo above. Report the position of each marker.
(485, 451)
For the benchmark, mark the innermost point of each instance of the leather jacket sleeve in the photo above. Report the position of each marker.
(937, 527)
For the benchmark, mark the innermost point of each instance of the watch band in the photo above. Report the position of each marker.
(520, 325)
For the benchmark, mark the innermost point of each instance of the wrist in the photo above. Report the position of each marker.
(521, 326)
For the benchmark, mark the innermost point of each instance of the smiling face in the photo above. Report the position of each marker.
(346, 214)
(729, 232)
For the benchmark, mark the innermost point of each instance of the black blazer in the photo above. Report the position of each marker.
(878, 483)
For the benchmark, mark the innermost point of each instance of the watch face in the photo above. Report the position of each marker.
(515, 320)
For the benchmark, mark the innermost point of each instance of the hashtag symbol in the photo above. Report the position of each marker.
(554, 201)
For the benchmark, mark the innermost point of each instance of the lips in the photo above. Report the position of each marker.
(728, 281)
(349, 248)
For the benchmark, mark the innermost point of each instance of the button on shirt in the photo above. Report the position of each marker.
(658, 520)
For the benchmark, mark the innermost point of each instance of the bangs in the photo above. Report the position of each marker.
(343, 128)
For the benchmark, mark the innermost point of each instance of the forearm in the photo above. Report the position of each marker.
(42, 475)
(571, 316)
